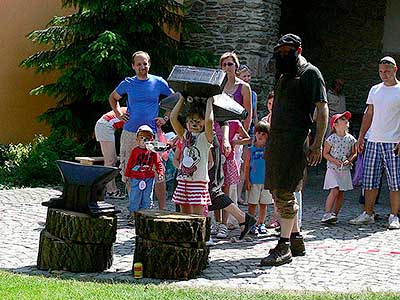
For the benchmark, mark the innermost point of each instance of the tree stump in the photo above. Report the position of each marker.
(80, 227)
(76, 242)
(58, 254)
(171, 245)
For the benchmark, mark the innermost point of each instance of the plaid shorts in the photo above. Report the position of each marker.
(379, 156)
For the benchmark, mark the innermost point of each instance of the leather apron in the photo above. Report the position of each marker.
(287, 145)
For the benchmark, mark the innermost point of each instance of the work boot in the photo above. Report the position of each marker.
(297, 246)
(279, 255)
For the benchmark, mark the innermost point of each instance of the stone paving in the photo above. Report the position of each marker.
(341, 257)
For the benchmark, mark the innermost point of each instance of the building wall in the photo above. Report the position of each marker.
(18, 109)
(344, 38)
(391, 42)
(250, 28)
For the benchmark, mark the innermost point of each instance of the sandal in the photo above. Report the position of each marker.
(274, 225)
(116, 195)
(249, 221)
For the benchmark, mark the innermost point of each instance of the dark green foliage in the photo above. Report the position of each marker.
(91, 51)
(34, 164)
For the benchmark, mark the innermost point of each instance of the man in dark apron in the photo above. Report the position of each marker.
(300, 89)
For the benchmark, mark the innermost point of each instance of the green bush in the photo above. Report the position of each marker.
(33, 164)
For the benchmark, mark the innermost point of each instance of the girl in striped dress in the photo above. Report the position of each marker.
(191, 193)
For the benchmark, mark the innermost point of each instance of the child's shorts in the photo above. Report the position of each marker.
(259, 195)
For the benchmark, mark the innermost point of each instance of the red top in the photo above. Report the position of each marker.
(111, 118)
(141, 164)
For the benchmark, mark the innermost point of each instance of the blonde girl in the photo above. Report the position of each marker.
(339, 152)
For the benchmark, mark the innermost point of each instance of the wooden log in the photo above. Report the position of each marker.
(170, 261)
(80, 227)
(57, 254)
(171, 227)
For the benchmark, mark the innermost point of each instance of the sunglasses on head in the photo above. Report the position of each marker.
(229, 64)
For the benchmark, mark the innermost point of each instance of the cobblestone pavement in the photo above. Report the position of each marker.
(340, 257)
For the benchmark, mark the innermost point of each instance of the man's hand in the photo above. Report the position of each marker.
(396, 149)
(314, 154)
(124, 117)
(360, 146)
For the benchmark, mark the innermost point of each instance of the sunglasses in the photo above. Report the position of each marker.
(229, 64)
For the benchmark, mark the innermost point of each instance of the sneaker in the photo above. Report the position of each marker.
(278, 256)
(363, 219)
(329, 218)
(274, 225)
(214, 228)
(297, 246)
(254, 230)
(222, 232)
(210, 243)
(394, 222)
(262, 229)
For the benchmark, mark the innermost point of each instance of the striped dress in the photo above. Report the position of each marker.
(192, 188)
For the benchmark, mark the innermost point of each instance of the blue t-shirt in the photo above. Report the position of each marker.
(257, 165)
(254, 104)
(253, 100)
(143, 100)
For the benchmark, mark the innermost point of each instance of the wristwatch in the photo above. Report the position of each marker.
(166, 118)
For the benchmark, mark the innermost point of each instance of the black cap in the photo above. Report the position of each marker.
(289, 39)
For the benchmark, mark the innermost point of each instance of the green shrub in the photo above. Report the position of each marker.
(34, 164)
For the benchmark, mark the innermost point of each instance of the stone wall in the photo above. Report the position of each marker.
(343, 38)
(250, 28)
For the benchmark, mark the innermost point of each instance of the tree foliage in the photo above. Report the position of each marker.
(91, 50)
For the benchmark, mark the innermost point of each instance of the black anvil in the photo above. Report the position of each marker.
(84, 188)
(198, 84)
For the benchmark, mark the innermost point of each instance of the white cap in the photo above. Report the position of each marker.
(170, 135)
(145, 128)
(387, 60)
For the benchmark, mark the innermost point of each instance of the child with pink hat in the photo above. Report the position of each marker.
(339, 152)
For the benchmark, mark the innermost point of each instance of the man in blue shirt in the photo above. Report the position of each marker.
(143, 93)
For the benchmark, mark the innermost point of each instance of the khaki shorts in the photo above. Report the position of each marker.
(286, 203)
(258, 195)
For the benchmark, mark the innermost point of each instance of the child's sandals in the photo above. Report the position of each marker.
(249, 221)
(117, 194)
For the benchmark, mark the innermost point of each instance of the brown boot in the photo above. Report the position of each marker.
(297, 246)
(279, 255)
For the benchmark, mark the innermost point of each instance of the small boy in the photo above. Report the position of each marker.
(254, 177)
(140, 171)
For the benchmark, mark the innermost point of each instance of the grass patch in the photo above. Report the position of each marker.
(21, 287)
